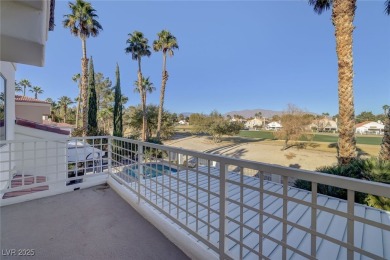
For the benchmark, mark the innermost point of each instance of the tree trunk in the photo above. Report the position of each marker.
(342, 17)
(78, 108)
(84, 83)
(384, 153)
(144, 119)
(143, 102)
(162, 95)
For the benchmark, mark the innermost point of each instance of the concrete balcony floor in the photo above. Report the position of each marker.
(93, 223)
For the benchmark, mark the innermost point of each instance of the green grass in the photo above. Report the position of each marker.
(257, 134)
(329, 138)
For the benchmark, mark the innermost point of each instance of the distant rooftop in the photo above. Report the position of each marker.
(19, 98)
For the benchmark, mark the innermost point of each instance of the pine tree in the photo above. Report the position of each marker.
(92, 101)
(118, 125)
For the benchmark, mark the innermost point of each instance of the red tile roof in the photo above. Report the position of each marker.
(362, 124)
(29, 99)
(32, 124)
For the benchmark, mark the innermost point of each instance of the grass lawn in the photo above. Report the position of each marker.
(329, 138)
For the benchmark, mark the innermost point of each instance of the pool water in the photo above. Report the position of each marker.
(151, 170)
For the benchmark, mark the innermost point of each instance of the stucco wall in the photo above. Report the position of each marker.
(31, 111)
(7, 70)
(43, 158)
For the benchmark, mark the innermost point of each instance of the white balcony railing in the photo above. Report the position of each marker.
(210, 197)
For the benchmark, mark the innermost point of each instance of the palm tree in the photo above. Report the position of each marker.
(166, 43)
(146, 87)
(385, 107)
(343, 13)
(64, 102)
(36, 90)
(76, 78)
(18, 88)
(82, 23)
(138, 47)
(384, 153)
(25, 84)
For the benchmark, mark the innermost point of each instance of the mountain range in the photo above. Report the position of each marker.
(251, 113)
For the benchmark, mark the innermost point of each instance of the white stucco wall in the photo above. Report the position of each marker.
(43, 158)
(7, 70)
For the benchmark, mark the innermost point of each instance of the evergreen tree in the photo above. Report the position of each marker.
(118, 125)
(92, 106)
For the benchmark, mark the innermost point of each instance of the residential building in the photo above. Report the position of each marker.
(254, 123)
(368, 127)
(273, 126)
(31, 109)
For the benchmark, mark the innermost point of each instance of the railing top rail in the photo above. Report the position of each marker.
(60, 140)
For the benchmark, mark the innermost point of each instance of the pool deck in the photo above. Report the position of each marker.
(93, 223)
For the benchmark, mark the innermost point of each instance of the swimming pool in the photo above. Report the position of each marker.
(150, 170)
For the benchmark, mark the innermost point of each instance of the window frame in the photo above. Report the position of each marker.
(4, 80)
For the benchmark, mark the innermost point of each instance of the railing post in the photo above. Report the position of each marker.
(350, 222)
(313, 227)
(109, 142)
(140, 169)
(222, 209)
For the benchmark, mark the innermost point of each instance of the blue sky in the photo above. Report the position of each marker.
(233, 55)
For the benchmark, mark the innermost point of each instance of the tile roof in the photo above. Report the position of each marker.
(367, 237)
(32, 124)
(19, 98)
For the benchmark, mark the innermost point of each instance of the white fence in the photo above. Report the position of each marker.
(36, 168)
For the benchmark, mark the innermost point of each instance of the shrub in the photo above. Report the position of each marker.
(371, 169)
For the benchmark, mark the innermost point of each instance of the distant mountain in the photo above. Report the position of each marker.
(186, 114)
(251, 113)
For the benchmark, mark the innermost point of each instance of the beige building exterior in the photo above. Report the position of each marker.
(31, 109)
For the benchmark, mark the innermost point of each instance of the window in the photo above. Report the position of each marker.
(2, 108)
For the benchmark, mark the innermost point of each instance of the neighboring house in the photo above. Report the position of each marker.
(331, 126)
(183, 122)
(241, 120)
(31, 109)
(273, 126)
(254, 123)
(368, 127)
(324, 125)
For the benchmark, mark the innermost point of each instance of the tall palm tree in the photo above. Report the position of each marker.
(64, 102)
(25, 84)
(83, 24)
(138, 47)
(36, 90)
(166, 43)
(343, 13)
(146, 86)
(76, 78)
(18, 88)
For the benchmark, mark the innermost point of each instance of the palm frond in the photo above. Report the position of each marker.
(321, 5)
(387, 7)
